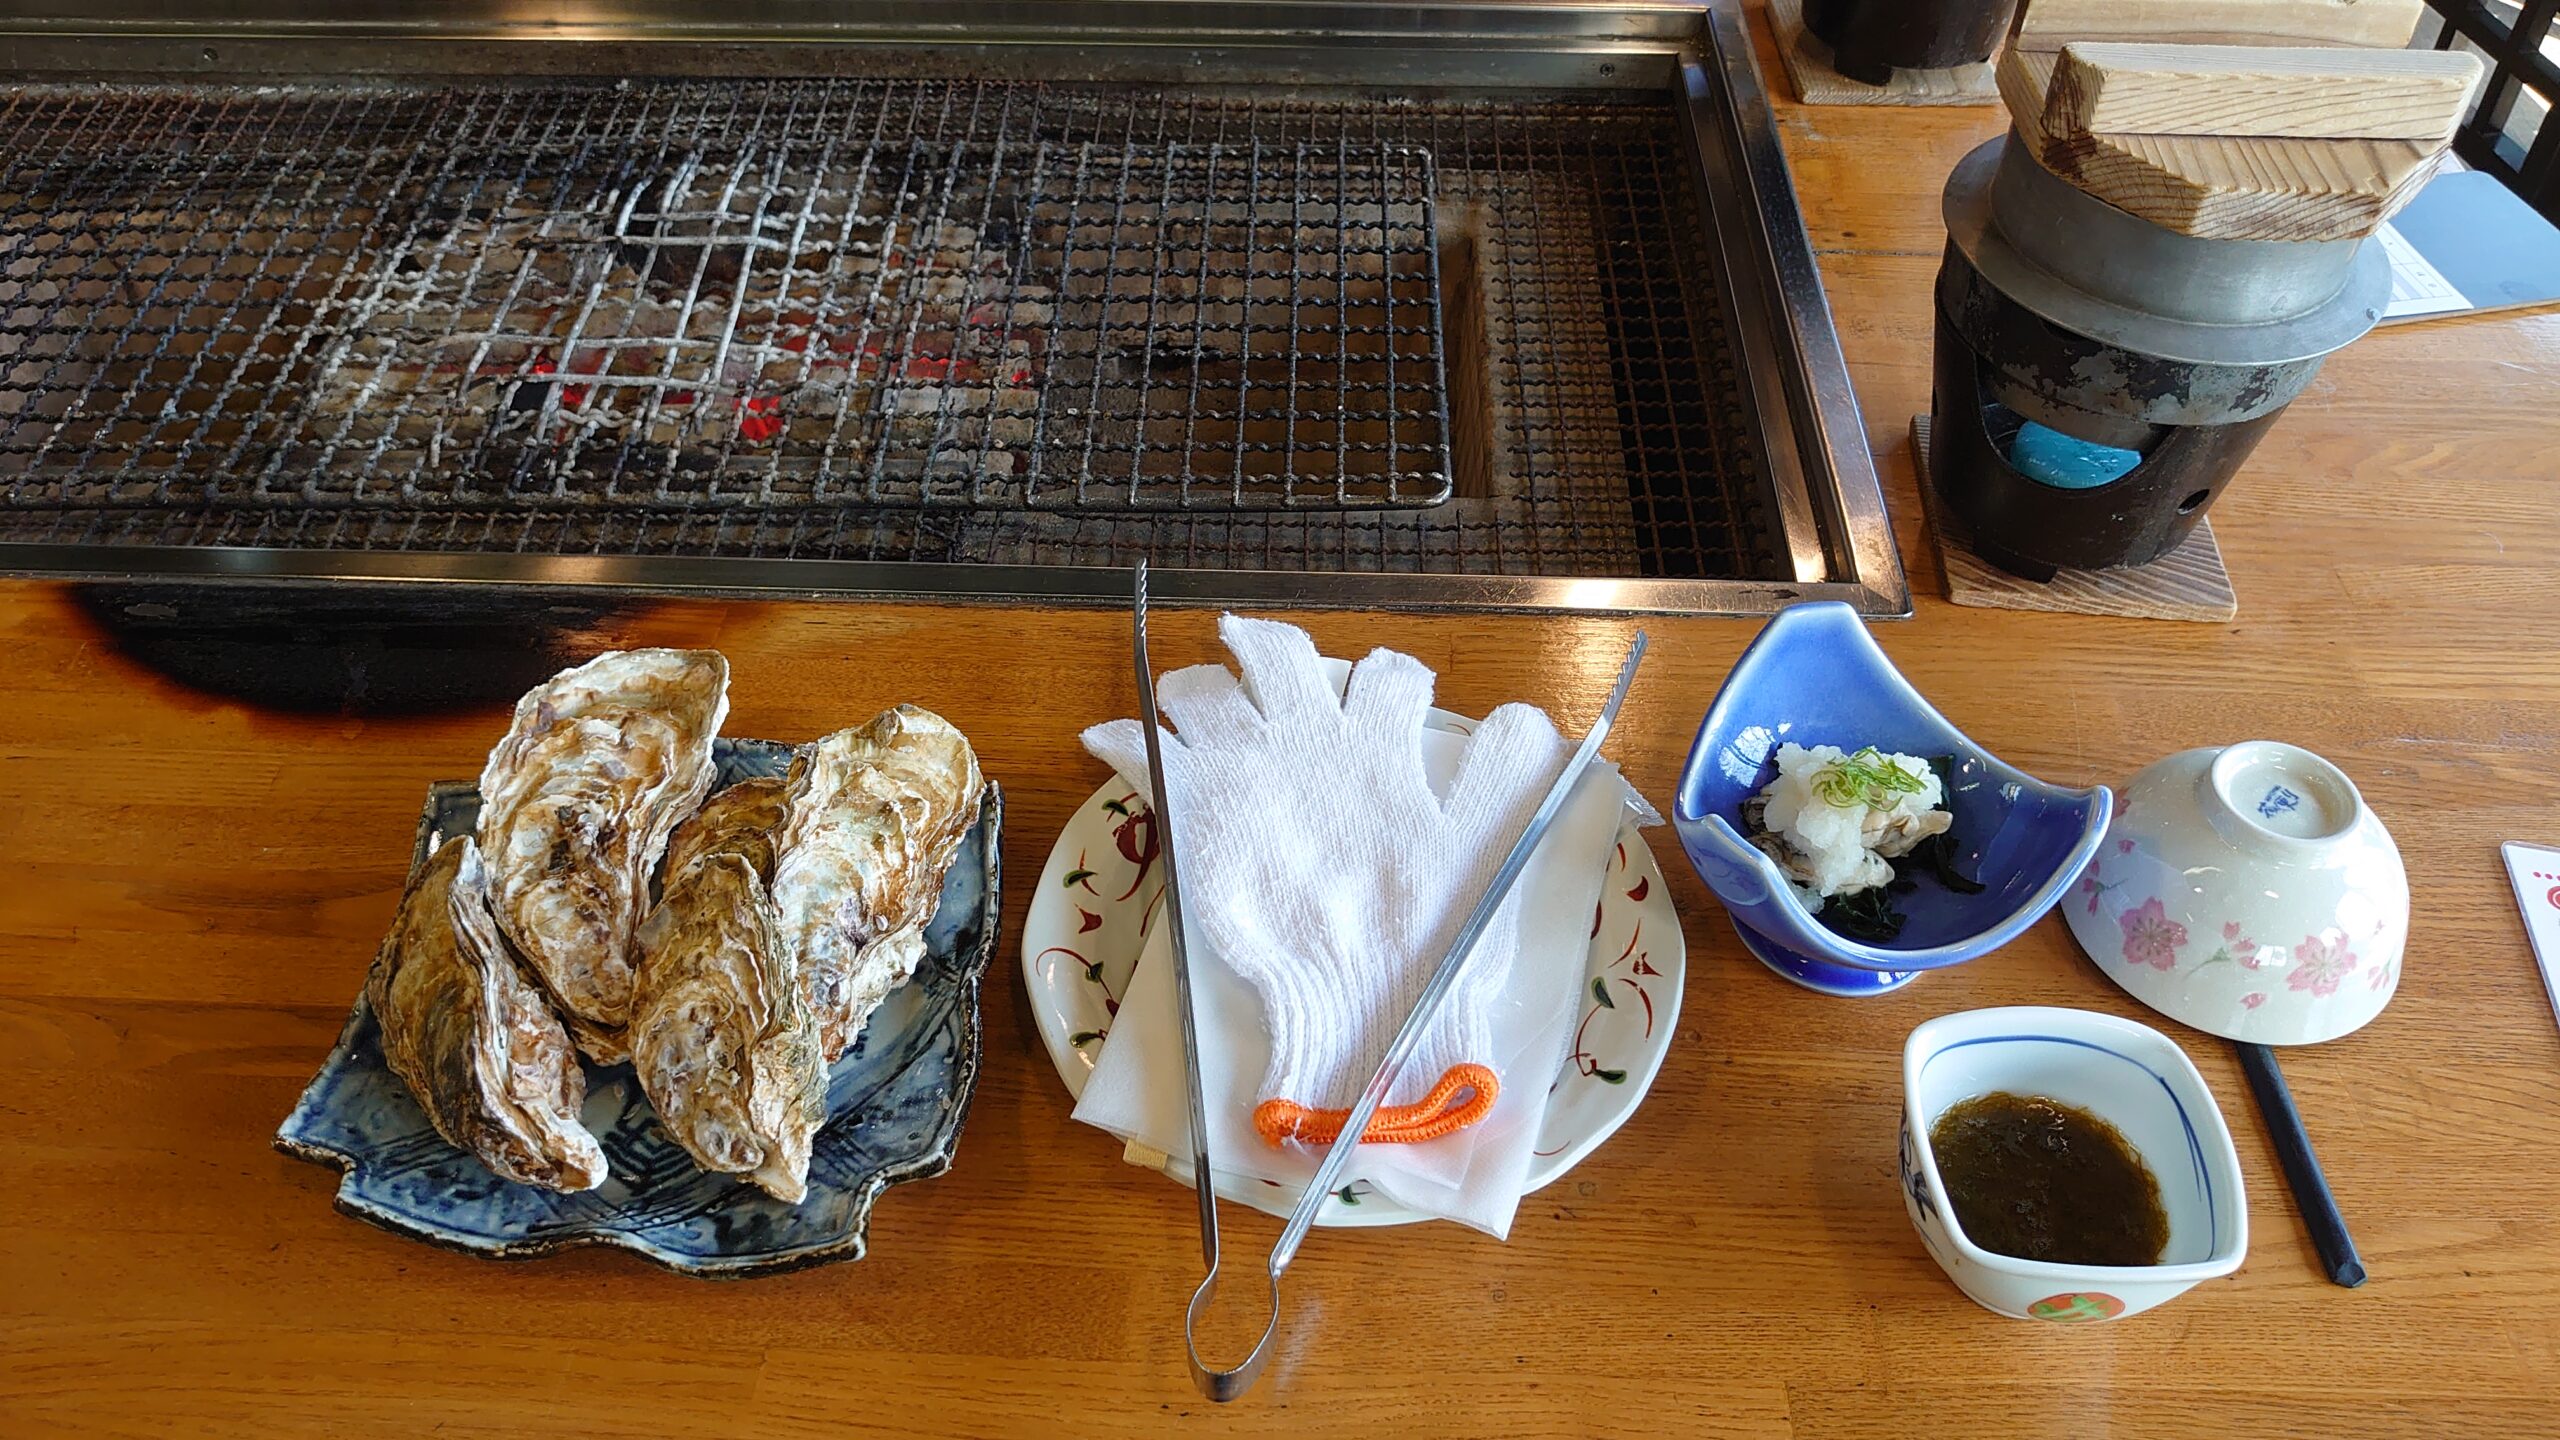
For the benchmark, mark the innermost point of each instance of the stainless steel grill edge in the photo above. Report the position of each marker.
(1635, 400)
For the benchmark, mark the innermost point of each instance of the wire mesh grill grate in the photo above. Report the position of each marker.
(914, 320)
(776, 316)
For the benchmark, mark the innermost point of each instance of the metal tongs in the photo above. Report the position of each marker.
(1229, 1384)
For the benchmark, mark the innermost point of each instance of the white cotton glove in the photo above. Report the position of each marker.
(1321, 868)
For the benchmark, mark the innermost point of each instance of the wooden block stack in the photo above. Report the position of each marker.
(2236, 119)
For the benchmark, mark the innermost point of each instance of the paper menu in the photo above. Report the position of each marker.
(2535, 869)
(2417, 286)
(2468, 244)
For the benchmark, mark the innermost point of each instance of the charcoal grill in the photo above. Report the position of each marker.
(1492, 306)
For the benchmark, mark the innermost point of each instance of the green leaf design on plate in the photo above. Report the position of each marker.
(1115, 807)
(1345, 1196)
(1611, 1077)
(1077, 877)
(1600, 992)
(1084, 1037)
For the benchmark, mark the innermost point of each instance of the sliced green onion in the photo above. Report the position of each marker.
(1866, 778)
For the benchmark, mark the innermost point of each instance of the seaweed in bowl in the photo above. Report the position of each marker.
(1853, 830)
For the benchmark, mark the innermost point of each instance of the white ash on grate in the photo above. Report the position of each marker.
(492, 345)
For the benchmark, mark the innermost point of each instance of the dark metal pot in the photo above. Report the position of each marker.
(2033, 529)
(1870, 39)
(2057, 308)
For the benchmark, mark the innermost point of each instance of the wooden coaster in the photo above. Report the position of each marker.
(1809, 66)
(2188, 583)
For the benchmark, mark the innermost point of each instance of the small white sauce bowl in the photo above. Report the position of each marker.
(2127, 1074)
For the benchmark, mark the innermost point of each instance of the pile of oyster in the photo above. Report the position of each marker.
(784, 911)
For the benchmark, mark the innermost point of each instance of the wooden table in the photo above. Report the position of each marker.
(193, 888)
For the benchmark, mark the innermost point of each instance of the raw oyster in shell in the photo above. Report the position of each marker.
(472, 1038)
(875, 815)
(602, 762)
(721, 1037)
(743, 820)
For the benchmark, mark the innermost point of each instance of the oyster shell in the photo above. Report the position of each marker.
(472, 1038)
(875, 816)
(721, 1037)
(601, 763)
(743, 820)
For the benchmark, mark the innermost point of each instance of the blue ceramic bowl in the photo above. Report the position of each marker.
(1815, 677)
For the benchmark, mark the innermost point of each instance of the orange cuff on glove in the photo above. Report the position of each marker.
(1464, 1096)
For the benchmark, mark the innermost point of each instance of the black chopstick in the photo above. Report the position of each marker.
(2301, 1168)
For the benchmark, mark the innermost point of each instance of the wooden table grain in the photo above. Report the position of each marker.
(190, 888)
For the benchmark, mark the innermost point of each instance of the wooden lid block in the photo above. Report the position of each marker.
(2048, 25)
(2103, 87)
(2224, 189)
(2219, 187)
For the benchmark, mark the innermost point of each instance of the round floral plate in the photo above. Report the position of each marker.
(1102, 892)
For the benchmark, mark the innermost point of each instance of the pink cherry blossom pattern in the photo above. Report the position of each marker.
(2253, 1000)
(2151, 937)
(2320, 962)
(2238, 946)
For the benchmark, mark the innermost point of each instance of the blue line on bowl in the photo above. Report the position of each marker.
(2195, 1146)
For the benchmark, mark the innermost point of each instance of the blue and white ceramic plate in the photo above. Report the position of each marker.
(894, 1110)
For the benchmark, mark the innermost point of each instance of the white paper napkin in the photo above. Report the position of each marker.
(1475, 1176)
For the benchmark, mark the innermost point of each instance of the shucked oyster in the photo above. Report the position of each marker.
(743, 820)
(601, 763)
(473, 1039)
(721, 1037)
(875, 815)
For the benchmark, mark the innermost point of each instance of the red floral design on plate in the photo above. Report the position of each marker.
(1081, 878)
(1093, 976)
(1134, 834)
(1637, 963)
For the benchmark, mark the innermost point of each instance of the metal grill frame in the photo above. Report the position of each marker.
(1837, 539)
